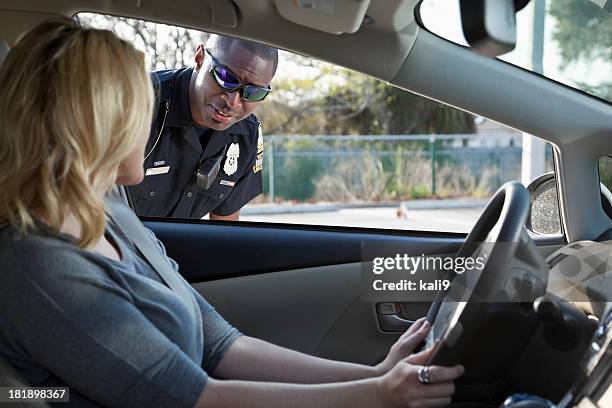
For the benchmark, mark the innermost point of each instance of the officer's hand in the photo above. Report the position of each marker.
(405, 345)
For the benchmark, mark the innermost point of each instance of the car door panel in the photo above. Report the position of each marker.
(316, 310)
(297, 286)
(294, 308)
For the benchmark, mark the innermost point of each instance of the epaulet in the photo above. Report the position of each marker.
(251, 121)
(163, 83)
(251, 125)
(164, 75)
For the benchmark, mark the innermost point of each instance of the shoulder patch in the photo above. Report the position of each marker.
(260, 142)
(260, 149)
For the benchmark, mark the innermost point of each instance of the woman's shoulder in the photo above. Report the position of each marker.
(39, 255)
(33, 244)
(40, 272)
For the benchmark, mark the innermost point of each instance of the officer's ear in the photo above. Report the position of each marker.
(199, 56)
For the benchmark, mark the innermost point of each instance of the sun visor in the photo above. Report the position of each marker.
(330, 16)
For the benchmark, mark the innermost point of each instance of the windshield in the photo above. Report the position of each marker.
(569, 41)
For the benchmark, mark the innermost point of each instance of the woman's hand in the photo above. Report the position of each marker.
(404, 346)
(400, 387)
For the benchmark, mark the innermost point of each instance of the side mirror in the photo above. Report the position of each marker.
(489, 26)
(544, 217)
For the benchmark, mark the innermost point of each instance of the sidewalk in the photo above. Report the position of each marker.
(443, 204)
(287, 208)
(403, 207)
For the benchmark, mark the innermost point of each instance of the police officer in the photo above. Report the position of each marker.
(205, 151)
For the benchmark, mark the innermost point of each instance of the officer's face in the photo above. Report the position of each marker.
(211, 105)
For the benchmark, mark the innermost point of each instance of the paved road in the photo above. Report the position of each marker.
(455, 220)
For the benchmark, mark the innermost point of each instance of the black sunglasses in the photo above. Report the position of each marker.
(230, 82)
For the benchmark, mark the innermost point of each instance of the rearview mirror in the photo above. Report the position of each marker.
(489, 26)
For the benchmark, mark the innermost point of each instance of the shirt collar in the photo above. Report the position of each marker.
(180, 110)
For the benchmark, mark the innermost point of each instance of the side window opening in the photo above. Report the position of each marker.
(341, 148)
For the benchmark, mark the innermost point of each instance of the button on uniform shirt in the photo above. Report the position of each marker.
(169, 188)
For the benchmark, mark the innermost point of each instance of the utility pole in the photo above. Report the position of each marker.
(271, 170)
(534, 149)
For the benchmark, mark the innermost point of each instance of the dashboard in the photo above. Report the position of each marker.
(581, 273)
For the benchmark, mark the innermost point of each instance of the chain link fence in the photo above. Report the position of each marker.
(379, 168)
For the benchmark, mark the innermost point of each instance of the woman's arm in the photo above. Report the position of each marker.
(219, 393)
(398, 388)
(249, 358)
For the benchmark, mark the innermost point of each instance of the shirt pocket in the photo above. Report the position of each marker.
(219, 190)
(152, 187)
(157, 194)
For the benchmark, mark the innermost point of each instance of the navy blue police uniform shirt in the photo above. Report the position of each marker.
(169, 188)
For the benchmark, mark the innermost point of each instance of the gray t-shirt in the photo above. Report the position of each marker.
(111, 331)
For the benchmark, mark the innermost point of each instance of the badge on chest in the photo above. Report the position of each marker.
(231, 159)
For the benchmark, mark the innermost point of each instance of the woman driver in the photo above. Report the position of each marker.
(81, 308)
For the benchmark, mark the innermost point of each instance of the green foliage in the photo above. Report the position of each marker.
(295, 173)
(603, 90)
(419, 191)
(583, 30)
(343, 102)
(583, 33)
(409, 114)
(605, 171)
(409, 176)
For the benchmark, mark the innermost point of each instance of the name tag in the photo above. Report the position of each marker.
(227, 183)
(157, 170)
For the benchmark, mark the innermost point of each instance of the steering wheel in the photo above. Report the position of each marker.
(482, 305)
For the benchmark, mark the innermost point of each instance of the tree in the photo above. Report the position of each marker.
(166, 47)
(583, 33)
(341, 101)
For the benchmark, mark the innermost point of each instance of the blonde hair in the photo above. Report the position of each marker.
(73, 103)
